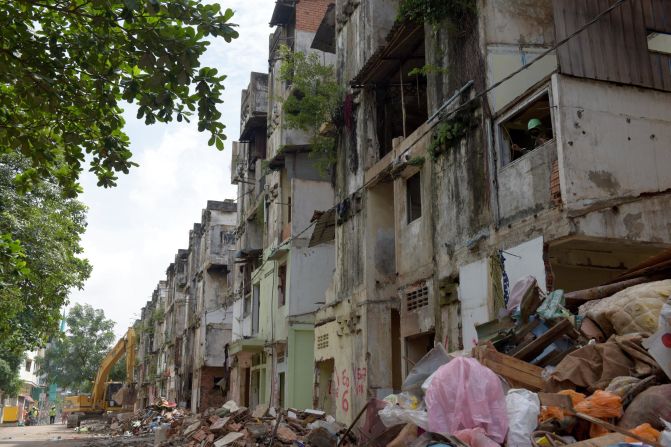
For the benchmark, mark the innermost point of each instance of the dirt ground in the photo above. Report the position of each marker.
(43, 435)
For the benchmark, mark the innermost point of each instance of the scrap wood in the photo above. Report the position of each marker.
(356, 419)
(517, 372)
(659, 261)
(536, 347)
(574, 299)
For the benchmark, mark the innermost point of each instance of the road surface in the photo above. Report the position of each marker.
(43, 435)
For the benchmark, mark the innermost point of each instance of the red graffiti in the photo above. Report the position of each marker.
(344, 401)
(361, 381)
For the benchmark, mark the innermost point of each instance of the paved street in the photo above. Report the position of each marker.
(41, 435)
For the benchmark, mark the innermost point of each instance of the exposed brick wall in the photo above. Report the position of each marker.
(211, 395)
(555, 191)
(309, 14)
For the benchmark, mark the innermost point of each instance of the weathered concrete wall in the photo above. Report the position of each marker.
(361, 29)
(612, 141)
(311, 273)
(307, 197)
(524, 184)
(515, 32)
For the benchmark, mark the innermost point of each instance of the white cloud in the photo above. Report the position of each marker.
(136, 228)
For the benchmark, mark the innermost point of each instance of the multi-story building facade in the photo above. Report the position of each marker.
(184, 331)
(280, 278)
(480, 149)
(502, 139)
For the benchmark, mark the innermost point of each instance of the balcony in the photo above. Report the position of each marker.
(254, 105)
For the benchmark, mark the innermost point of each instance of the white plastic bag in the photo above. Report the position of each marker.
(659, 344)
(665, 438)
(523, 408)
(394, 415)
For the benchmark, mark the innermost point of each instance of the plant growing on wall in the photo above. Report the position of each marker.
(314, 102)
(450, 131)
(435, 11)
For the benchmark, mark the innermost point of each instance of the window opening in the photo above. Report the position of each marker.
(414, 197)
(417, 298)
(281, 285)
(659, 42)
(289, 209)
(400, 94)
(29, 364)
(527, 129)
(323, 341)
(255, 308)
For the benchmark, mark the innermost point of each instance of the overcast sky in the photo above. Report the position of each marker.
(135, 229)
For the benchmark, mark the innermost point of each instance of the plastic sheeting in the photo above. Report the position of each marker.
(465, 394)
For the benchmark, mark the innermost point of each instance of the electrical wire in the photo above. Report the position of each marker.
(446, 114)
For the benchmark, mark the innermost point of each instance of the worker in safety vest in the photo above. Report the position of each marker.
(52, 415)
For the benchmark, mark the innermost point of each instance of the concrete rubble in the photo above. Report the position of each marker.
(166, 425)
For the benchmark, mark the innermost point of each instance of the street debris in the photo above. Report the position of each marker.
(578, 368)
(581, 369)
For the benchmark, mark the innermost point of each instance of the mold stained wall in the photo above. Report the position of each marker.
(513, 33)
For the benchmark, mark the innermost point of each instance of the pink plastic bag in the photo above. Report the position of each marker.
(465, 394)
(475, 437)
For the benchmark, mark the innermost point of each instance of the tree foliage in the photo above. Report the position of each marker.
(315, 99)
(73, 359)
(40, 256)
(10, 360)
(67, 65)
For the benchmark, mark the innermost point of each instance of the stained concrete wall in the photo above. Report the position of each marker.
(311, 273)
(612, 141)
(524, 184)
(515, 32)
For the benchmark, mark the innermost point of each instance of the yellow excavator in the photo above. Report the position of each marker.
(101, 400)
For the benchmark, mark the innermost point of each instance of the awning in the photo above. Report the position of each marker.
(246, 345)
(405, 41)
(324, 39)
(324, 228)
(283, 12)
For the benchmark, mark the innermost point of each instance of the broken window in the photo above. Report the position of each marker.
(281, 285)
(527, 128)
(413, 189)
(659, 42)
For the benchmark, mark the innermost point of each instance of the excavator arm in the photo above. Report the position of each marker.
(126, 345)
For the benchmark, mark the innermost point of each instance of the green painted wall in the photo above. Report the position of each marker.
(300, 371)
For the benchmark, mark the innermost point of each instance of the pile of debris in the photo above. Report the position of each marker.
(238, 426)
(165, 425)
(586, 368)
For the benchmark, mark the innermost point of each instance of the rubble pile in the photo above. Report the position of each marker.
(238, 426)
(165, 425)
(586, 368)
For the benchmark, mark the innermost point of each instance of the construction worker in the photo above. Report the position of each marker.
(537, 131)
(52, 415)
(34, 415)
(538, 136)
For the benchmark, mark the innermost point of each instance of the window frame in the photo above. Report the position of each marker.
(281, 285)
(408, 199)
(503, 158)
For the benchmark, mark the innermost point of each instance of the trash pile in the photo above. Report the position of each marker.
(585, 368)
